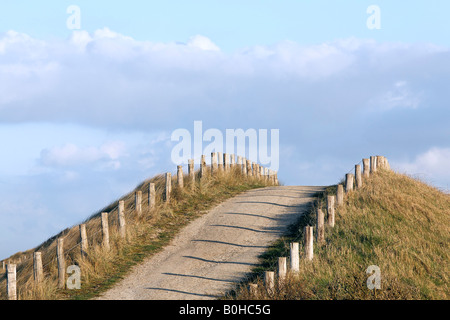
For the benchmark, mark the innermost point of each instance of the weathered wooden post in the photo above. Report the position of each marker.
(232, 160)
(382, 162)
(84, 241)
(309, 238)
(214, 165)
(180, 177)
(61, 263)
(37, 267)
(282, 269)
(320, 226)
(253, 289)
(220, 161)
(11, 285)
(358, 176)
(168, 188)
(138, 202)
(105, 230)
(349, 182)
(295, 262)
(244, 166)
(151, 195)
(226, 162)
(191, 173)
(122, 223)
(366, 168)
(379, 162)
(373, 164)
(386, 164)
(330, 210)
(269, 281)
(249, 168)
(202, 166)
(340, 195)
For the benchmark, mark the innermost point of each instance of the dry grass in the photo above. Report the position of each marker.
(146, 235)
(394, 222)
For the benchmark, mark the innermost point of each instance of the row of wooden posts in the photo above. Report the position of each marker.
(370, 166)
(247, 168)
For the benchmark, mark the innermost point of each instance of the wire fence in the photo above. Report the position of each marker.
(25, 266)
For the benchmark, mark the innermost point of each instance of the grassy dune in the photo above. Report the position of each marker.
(146, 235)
(395, 222)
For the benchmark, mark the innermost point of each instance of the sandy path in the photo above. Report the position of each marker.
(218, 249)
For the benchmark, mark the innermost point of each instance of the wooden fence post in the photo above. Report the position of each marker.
(138, 202)
(180, 181)
(84, 241)
(269, 281)
(11, 284)
(309, 238)
(282, 269)
(61, 263)
(37, 267)
(220, 161)
(253, 289)
(151, 195)
(214, 165)
(105, 230)
(249, 167)
(366, 168)
(349, 182)
(379, 162)
(191, 172)
(358, 176)
(340, 195)
(320, 226)
(373, 164)
(244, 166)
(168, 188)
(122, 223)
(226, 162)
(330, 210)
(202, 166)
(295, 262)
(232, 160)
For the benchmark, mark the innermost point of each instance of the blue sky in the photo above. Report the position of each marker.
(87, 114)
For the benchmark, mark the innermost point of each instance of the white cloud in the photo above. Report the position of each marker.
(71, 155)
(399, 96)
(432, 165)
(203, 43)
(435, 161)
(106, 79)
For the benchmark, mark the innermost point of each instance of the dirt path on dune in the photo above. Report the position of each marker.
(218, 249)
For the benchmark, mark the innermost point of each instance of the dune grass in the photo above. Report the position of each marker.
(147, 234)
(394, 222)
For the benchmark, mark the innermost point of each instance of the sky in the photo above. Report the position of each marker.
(91, 92)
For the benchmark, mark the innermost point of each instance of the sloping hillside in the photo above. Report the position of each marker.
(394, 222)
(146, 234)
